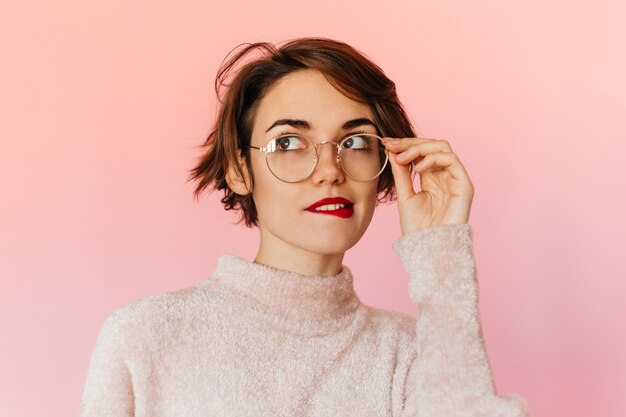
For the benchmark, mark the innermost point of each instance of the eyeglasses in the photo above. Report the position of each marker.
(293, 158)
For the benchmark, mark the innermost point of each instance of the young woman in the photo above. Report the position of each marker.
(309, 138)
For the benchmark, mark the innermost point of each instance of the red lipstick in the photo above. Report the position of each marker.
(345, 211)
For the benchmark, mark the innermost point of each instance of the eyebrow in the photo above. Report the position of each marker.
(303, 124)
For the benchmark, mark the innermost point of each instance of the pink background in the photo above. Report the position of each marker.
(102, 104)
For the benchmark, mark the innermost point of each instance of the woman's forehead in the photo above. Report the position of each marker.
(307, 95)
(306, 91)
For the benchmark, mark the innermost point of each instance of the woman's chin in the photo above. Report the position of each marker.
(329, 243)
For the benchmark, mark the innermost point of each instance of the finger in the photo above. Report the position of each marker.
(402, 179)
(412, 153)
(429, 144)
(404, 140)
(398, 145)
(442, 160)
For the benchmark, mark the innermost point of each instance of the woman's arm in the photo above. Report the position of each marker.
(108, 389)
(449, 374)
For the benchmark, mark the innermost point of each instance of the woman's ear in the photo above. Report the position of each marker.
(235, 182)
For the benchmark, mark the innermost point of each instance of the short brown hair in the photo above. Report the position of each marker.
(346, 68)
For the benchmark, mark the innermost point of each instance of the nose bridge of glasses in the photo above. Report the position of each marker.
(318, 147)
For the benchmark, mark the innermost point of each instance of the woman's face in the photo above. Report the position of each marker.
(284, 221)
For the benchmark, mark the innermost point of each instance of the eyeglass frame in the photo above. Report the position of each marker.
(265, 149)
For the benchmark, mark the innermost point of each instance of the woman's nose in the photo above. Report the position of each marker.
(327, 168)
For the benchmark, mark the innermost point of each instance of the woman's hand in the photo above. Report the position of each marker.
(447, 191)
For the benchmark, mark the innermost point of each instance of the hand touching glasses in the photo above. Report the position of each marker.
(447, 191)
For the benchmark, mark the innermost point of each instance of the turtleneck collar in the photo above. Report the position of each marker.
(290, 296)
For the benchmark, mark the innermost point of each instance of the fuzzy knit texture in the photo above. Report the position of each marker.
(252, 340)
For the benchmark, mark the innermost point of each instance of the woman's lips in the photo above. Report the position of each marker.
(343, 212)
(334, 206)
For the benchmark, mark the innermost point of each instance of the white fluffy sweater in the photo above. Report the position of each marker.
(255, 341)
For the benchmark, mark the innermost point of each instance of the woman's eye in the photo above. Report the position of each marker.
(289, 143)
(356, 143)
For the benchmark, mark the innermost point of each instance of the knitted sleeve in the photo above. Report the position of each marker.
(108, 389)
(449, 373)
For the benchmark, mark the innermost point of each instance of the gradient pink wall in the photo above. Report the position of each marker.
(102, 104)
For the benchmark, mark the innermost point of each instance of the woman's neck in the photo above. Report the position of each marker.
(278, 253)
